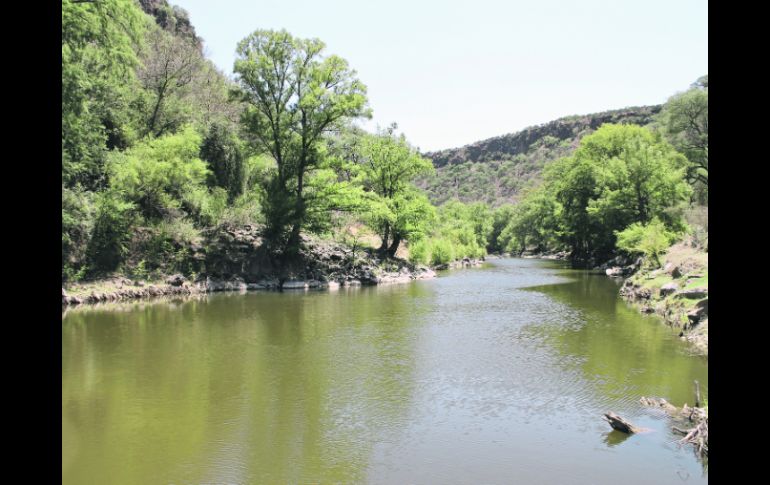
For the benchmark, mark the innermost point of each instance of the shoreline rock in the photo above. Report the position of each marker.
(669, 292)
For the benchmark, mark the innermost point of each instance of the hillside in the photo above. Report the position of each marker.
(497, 169)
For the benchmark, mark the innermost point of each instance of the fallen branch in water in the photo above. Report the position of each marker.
(698, 436)
(620, 424)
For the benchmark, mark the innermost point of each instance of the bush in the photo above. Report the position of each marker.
(205, 206)
(158, 174)
(115, 219)
(442, 252)
(77, 218)
(651, 240)
(245, 210)
(419, 252)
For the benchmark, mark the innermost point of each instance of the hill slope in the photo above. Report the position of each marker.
(497, 169)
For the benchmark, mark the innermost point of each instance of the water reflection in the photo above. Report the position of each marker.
(491, 375)
(255, 388)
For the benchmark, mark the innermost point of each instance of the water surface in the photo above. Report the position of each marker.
(497, 374)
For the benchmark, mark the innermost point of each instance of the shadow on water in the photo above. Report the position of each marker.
(614, 438)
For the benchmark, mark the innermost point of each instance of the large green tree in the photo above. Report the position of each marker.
(99, 43)
(684, 120)
(389, 166)
(620, 175)
(294, 95)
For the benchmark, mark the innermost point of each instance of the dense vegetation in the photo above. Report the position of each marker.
(159, 148)
(497, 170)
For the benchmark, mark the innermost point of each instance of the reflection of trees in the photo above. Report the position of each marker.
(632, 354)
(263, 387)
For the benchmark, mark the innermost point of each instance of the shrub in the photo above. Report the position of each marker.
(77, 218)
(419, 252)
(441, 252)
(112, 231)
(651, 240)
(158, 174)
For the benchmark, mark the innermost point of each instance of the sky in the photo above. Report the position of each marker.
(451, 73)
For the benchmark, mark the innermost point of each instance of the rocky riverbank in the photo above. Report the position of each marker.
(237, 260)
(677, 291)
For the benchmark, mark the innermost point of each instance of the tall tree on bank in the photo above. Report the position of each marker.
(620, 175)
(294, 95)
(99, 41)
(685, 123)
(389, 167)
(170, 64)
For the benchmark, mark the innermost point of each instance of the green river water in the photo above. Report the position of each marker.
(494, 375)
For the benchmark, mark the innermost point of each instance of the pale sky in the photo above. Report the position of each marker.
(451, 73)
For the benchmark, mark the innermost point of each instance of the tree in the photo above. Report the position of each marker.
(294, 95)
(170, 64)
(389, 165)
(160, 175)
(684, 122)
(533, 223)
(99, 42)
(222, 150)
(620, 174)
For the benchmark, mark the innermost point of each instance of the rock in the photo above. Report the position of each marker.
(294, 285)
(643, 293)
(616, 271)
(693, 293)
(668, 289)
(139, 283)
(176, 280)
(269, 283)
(254, 286)
(699, 312)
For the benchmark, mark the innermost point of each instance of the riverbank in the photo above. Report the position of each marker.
(237, 260)
(677, 291)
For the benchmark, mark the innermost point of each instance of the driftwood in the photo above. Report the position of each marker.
(620, 424)
(698, 436)
(697, 394)
(657, 402)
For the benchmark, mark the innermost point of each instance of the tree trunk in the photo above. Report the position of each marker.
(299, 217)
(394, 246)
(384, 245)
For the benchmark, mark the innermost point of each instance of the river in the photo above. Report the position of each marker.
(498, 374)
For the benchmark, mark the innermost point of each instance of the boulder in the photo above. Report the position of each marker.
(699, 312)
(668, 289)
(693, 293)
(176, 280)
(294, 285)
(615, 271)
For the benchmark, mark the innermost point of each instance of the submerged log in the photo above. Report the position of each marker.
(657, 402)
(620, 424)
